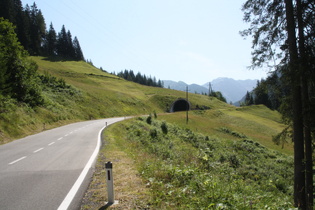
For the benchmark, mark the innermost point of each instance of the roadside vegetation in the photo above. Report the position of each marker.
(186, 166)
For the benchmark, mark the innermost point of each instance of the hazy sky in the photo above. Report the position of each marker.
(194, 41)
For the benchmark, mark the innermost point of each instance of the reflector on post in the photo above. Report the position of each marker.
(110, 183)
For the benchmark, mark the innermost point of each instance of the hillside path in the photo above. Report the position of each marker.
(48, 170)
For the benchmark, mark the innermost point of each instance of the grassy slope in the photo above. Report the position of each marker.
(100, 94)
(97, 94)
(113, 96)
(255, 183)
(256, 122)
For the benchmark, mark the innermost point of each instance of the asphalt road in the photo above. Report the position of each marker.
(46, 170)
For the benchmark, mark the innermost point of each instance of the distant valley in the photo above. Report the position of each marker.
(232, 90)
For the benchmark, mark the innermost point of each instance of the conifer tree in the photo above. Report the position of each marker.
(51, 41)
(25, 37)
(77, 50)
(31, 31)
(37, 30)
(70, 54)
(290, 25)
(62, 42)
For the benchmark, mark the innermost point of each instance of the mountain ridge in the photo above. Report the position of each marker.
(233, 90)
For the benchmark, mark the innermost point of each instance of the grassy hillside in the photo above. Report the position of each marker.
(79, 91)
(255, 122)
(223, 158)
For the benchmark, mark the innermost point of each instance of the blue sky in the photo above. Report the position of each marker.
(194, 41)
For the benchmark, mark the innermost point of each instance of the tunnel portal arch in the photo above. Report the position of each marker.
(180, 105)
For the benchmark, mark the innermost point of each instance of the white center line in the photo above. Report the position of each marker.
(59, 138)
(51, 143)
(38, 150)
(17, 160)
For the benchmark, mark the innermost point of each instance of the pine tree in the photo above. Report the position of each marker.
(51, 41)
(62, 42)
(13, 11)
(5, 9)
(23, 26)
(70, 54)
(290, 25)
(249, 99)
(25, 38)
(37, 30)
(77, 50)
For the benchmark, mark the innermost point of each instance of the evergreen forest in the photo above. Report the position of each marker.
(139, 78)
(31, 31)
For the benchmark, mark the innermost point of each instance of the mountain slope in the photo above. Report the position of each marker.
(193, 88)
(232, 90)
(91, 94)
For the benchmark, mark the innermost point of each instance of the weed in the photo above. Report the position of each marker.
(222, 172)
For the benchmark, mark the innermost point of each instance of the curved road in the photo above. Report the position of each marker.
(46, 170)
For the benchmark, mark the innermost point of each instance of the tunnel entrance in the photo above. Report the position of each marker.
(180, 105)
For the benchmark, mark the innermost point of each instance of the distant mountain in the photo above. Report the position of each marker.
(193, 88)
(232, 90)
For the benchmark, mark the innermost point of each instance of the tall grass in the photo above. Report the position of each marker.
(187, 169)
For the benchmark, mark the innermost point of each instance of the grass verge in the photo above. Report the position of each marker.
(180, 168)
(130, 188)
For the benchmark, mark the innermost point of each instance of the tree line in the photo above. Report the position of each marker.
(139, 78)
(30, 28)
(271, 92)
(284, 30)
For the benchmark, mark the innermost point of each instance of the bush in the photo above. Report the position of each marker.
(149, 119)
(153, 133)
(164, 127)
(18, 74)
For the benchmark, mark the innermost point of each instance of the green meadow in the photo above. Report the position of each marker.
(76, 91)
(222, 158)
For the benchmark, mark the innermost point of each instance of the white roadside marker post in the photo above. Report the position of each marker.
(110, 183)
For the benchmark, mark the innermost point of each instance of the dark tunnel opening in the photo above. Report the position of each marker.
(180, 105)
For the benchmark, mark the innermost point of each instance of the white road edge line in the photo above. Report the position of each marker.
(38, 150)
(68, 199)
(17, 160)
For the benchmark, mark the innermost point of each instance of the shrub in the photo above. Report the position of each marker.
(153, 133)
(149, 119)
(164, 127)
